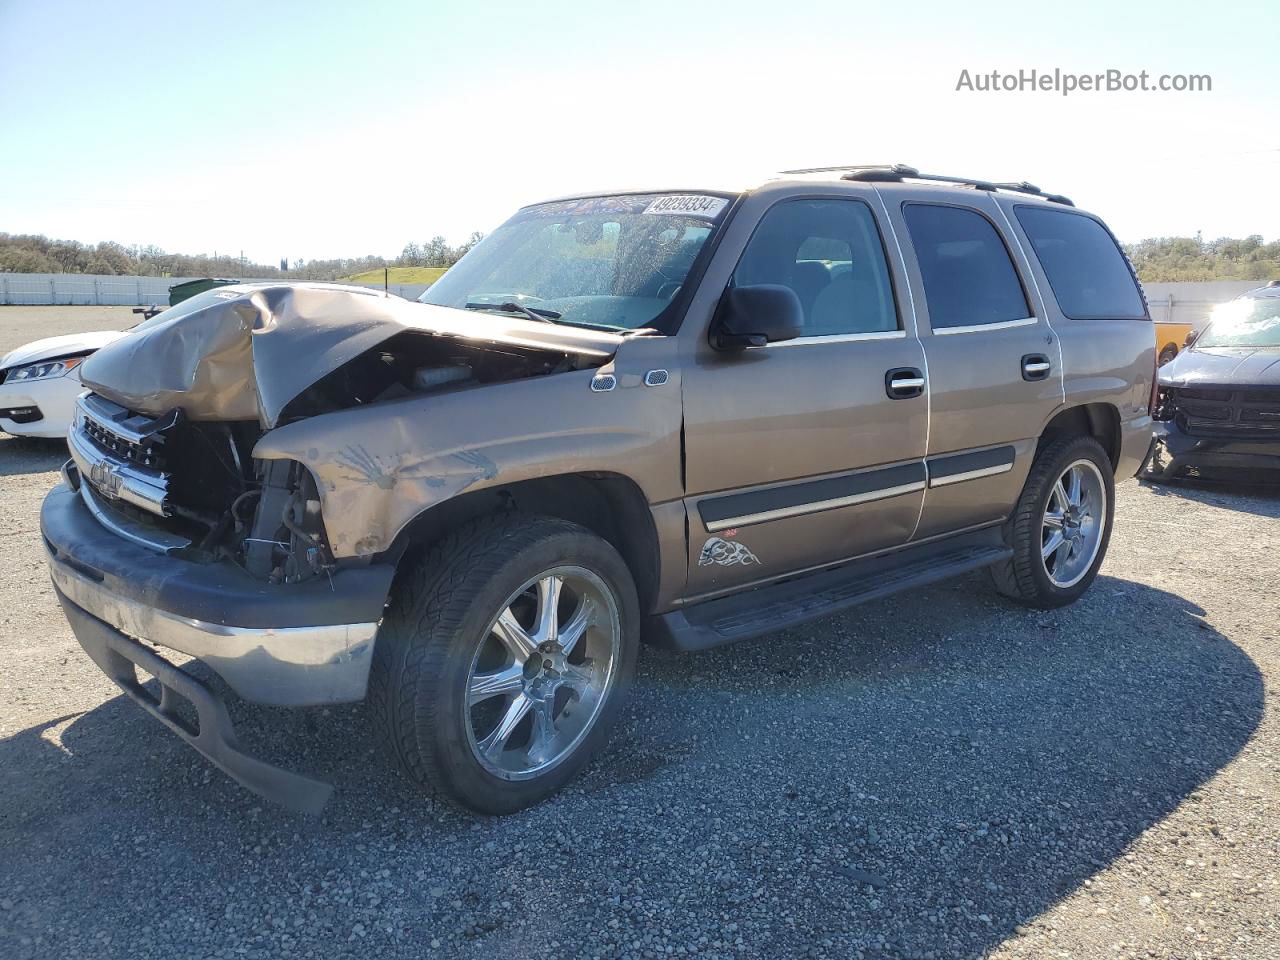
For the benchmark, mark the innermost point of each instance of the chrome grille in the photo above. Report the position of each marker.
(145, 453)
(119, 453)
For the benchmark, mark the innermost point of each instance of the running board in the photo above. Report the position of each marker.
(790, 602)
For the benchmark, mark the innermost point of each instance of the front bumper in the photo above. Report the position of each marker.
(279, 644)
(287, 645)
(52, 400)
(212, 734)
(1184, 451)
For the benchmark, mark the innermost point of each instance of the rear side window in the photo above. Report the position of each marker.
(969, 279)
(1086, 269)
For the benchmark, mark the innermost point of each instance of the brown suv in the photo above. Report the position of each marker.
(688, 417)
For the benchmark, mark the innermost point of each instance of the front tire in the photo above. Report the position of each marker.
(503, 660)
(1061, 526)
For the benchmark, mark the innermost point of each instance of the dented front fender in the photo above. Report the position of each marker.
(378, 467)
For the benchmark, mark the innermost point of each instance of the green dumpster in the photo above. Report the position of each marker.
(181, 291)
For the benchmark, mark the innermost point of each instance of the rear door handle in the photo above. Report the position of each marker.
(1035, 366)
(903, 383)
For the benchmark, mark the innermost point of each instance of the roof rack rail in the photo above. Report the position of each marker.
(897, 172)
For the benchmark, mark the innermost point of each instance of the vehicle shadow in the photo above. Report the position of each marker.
(23, 455)
(920, 777)
(1262, 499)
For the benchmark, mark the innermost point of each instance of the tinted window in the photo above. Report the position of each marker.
(829, 252)
(616, 261)
(968, 276)
(1085, 268)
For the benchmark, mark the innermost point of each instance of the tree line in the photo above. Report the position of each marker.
(34, 253)
(1160, 259)
(1170, 259)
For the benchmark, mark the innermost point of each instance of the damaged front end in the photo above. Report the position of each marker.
(166, 439)
(192, 490)
(179, 527)
(1216, 432)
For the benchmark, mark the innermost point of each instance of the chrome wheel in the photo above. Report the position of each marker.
(1074, 519)
(541, 673)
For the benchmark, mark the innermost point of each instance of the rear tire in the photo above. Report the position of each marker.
(1059, 543)
(503, 659)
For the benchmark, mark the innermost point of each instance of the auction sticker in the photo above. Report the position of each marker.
(687, 205)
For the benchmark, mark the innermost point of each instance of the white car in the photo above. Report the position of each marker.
(39, 383)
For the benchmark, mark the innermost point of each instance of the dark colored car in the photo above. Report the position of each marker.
(1218, 412)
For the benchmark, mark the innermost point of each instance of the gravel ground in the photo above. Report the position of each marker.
(938, 775)
(19, 325)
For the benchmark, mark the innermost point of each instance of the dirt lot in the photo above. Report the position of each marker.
(19, 325)
(941, 775)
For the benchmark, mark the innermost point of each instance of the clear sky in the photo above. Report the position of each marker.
(318, 130)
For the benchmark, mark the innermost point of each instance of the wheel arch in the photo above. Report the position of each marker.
(610, 505)
(1098, 420)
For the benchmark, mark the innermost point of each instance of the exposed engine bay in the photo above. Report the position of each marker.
(414, 363)
(165, 443)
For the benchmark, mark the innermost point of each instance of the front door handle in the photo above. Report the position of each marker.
(1035, 366)
(903, 383)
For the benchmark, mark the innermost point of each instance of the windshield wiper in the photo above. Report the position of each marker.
(510, 306)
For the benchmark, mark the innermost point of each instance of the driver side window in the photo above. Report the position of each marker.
(830, 253)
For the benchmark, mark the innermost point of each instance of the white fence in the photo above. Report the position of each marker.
(84, 289)
(1180, 302)
(1192, 302)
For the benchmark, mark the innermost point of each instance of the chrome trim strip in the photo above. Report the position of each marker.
(291, 666)
(970, 475)
(816, 507)
(136, 487)
(979, 327)
(92, 407)
(697, 598)
(843, 338)
(160, 541)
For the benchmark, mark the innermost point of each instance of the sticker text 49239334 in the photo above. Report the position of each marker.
(687, 205)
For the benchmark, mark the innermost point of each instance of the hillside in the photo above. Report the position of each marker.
(398, 275)
(1164, 259)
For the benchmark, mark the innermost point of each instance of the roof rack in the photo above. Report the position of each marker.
(897, 172)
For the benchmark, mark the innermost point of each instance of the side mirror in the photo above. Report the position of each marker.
(755, 315)
(1191, 338)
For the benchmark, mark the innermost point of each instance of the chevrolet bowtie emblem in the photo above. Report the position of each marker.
(103, 475)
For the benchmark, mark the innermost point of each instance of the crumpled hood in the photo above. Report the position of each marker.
(244, 352)
(1223, 366)
(52, 347)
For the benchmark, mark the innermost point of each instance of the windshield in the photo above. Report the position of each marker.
(1247, 322)
(615, 262)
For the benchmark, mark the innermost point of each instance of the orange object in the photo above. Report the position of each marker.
(1170, 339)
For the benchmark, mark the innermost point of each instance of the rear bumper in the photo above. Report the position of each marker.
(1185, 451)
(277, 644)
(1135, 445)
